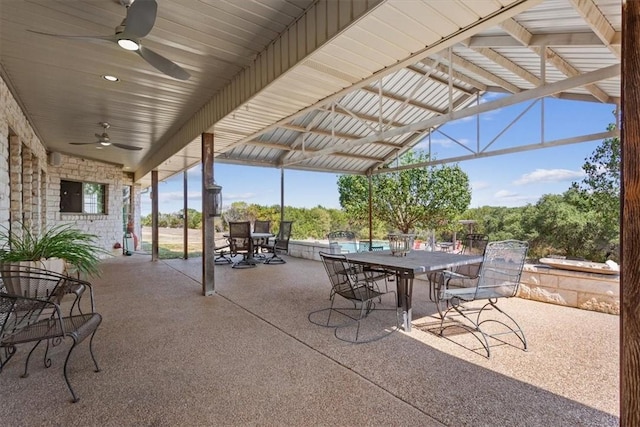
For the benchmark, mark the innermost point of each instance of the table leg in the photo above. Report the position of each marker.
(405, 290)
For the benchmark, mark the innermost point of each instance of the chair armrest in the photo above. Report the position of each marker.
(24, 319)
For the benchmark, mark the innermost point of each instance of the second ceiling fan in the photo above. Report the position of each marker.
(104, 140)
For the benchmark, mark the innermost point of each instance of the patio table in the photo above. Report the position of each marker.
(254, 237)
(407, 267)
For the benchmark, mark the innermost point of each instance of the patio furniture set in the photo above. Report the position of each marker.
(484, 271)
(254, 245)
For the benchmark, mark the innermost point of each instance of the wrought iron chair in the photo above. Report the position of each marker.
(356, 285)
(280, 244)
(380, 274)
(345, 237)
(472, 244)
(31, 312)
(241, 243)
(499, 277)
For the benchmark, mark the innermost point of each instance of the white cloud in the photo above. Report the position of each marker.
(171, 196)
(549, 175)
(505, 194)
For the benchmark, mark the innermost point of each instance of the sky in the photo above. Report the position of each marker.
(508, 180)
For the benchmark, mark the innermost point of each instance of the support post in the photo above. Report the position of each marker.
(281, 194)
(630, 212)
(370, 212)
(208, 227)
(154, 216)
(185, 217)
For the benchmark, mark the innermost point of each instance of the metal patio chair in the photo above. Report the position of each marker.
(380, 274)
(472, 244)
(499, 277)
(280, 244)
(345, 237)
(261, 226)
(356, 285)
(241, 243)
(37, 315)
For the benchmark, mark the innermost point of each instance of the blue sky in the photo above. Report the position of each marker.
(508, 180)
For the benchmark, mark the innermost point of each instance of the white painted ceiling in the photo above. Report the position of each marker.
(340, 86)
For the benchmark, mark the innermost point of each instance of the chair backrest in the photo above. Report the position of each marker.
(261, 226)
(474, 244)
(341, 236)
(284, 234)
(342, 274)
(501, 269)
(240, 236)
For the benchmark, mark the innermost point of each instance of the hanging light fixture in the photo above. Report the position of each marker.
(214, 199)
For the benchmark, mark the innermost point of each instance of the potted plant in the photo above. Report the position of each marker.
(57, 248)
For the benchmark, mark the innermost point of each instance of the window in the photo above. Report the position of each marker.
(82, 197)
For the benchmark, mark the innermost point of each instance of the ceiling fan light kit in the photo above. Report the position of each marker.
(104, 140)
(128, 44)
(139, 20)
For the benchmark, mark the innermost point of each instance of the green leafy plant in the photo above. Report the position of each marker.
(62, 241)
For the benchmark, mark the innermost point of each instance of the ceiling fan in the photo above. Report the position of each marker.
(140, 18)
(104, 140)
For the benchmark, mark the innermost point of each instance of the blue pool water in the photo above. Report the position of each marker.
(353, 246)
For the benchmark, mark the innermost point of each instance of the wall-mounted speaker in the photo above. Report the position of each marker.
(55, 159)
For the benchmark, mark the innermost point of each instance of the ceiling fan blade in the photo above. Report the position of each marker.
(141, 16)
(83, 38)
(84, 143)
(163, 64)
(126, 147)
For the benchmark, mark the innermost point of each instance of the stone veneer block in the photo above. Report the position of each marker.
(590, 283)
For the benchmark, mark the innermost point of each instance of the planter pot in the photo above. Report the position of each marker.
(25, 286)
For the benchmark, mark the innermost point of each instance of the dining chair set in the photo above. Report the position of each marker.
(254, 244)
(453, 290)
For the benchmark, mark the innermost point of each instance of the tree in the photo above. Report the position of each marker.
(411, 199)
(601, 188)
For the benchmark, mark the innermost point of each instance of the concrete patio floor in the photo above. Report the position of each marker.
(249, 356)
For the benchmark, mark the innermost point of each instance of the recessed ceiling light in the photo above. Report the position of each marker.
(110, 78)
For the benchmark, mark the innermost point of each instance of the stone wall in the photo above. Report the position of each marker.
(588, 291)
(108, 227)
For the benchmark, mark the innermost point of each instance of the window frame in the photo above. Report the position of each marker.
(74, 200)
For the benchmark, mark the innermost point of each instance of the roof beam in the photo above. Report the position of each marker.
(468, 65)
(455, 74)
(509, 65)
(510, 150)
(552, 40)
(339, 109)
(402, 99)
(522, 35)
(539, 92)
(442, 81)
(599, 23)
(334, 134)
(276, 146)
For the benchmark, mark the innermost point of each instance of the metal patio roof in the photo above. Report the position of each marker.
(337, 86)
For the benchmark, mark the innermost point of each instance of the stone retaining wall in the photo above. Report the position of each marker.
(588, 291)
